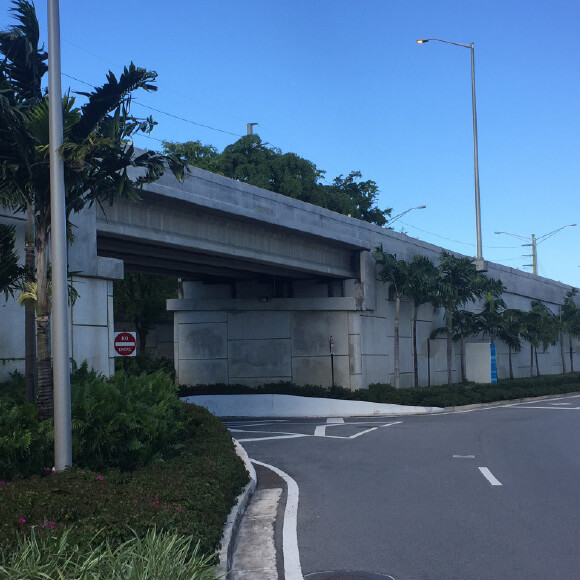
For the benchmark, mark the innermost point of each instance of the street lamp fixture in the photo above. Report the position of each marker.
(533, 242)
(400, 215)
(479, 262)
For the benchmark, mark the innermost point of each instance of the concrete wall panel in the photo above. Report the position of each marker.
(91, 343)
(317, 370)
(311, 332)
(259, 358)
(257, 325)
(202, 341)
(202, 372)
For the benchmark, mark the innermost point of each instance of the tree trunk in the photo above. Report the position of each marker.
(415, 357)
(571, 355)
(45, 394)
(562, 353)
(537, 365)
(30, 314)
(449, 347)
(396, 340)
(510, 362)
(462, 358)
(531, 360)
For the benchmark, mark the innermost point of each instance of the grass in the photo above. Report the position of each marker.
(439, 396)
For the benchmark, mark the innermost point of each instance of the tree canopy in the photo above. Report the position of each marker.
(252, 161)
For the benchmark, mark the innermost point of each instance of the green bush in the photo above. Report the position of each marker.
(190, 494)
(124, 422)
(25, 444)
(144, 363)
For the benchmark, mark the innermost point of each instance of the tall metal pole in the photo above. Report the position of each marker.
(60, 319)
(479, 261)
(475, 159)
(534, 256)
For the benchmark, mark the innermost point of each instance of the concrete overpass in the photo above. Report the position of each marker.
(267, 280)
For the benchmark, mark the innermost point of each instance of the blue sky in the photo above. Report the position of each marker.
(345, 85)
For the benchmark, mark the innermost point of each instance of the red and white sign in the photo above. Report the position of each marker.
(125, 344)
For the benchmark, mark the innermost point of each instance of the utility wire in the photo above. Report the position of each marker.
(135, 102)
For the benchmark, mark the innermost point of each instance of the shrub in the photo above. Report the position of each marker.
(25, 444)
(124, 422)
(144, 363)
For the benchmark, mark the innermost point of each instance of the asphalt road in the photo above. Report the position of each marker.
(487, 494)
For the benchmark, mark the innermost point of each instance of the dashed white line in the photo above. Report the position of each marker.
(336, 420)
(292, 568)
(464, 457)
(489, 476)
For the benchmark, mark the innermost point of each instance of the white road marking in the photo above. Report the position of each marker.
(553, 408)
(335, 420)
(363, 432)
(489, 476)
(258, 431)
(464, 456)
(296, 435)
(557, 404)
(292, 568)
(320, 431)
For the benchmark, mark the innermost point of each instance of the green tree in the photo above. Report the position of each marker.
(570, 323)
(459, 284)
(195, 153)
(395, 273)
(352, 196)
(464, 325)
(511, 333)
(423, 280)
(141, 299)
(11, 273)
(97, 150)
(540, 329)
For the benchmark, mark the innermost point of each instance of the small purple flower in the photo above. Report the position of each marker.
(100, 478)
(22, 520)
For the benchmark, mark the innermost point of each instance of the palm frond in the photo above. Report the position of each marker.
(110, 97)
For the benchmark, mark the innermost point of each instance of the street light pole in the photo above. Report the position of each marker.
(400, 215)
(479, 261)
(60, 319)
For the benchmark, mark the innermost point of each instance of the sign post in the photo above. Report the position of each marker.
(331, 345)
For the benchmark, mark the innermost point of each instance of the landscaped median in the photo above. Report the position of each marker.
(153, 485)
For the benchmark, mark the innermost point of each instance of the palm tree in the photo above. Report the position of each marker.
(464, 325)
(97, 151)
(10, 271)
(459, 284)
(540, 329)
(570, 323)
(395, 273)
(511, 332)
(421, 288)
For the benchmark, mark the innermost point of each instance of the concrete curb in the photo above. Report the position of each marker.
(509, 402)
(274, 405)
(232, 525)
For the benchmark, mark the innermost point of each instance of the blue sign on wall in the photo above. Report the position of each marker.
(493, 365)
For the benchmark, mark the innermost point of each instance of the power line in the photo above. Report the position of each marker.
(457, 241)
(161, 111)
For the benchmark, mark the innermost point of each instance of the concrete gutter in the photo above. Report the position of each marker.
(295, 406)
(231, 527)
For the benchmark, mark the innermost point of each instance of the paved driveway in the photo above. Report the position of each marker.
(486, 494)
